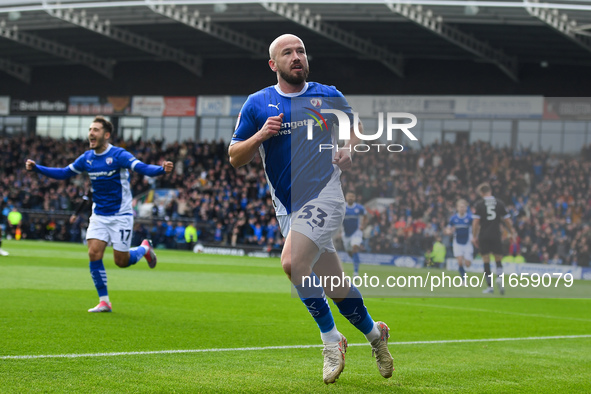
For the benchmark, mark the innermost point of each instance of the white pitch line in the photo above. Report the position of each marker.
(246, 349)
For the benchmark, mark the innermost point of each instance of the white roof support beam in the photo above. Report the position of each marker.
(79, 18)
(19, 71)
(97, 4)
(561, 23)
(102, 66)
(205, 25)
(392, 61)
(435, 24)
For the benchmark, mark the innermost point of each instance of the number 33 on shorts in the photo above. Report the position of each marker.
(319, 220)
(307, 213)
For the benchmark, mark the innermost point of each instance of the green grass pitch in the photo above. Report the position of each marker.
(195, 304)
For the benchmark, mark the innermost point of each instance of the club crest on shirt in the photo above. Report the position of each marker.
(109, 160)
(316, 102)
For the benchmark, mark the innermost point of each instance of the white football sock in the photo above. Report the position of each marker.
(331, 337)
(374, 333)
(104, 298)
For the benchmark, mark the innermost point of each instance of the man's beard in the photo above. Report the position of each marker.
(99, 143)
(295, 79)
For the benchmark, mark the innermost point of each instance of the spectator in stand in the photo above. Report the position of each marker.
(258, 237)
(533, 255)
(139, 233)
(179, 236)
(158, 234)
(583, 256)
(218, 235)
(272, 231)
(169, 235)
(436, 256)
(191, 236)
(14, 220)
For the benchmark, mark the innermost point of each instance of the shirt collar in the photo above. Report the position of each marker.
(304, 89)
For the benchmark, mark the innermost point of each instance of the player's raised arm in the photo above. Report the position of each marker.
(30, 165)
(52, 172)
(168, 166)
(150, 169)
(242, 152)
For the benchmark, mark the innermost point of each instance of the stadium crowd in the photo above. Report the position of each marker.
(548, 196)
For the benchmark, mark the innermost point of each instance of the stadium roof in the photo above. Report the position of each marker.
(101, 33)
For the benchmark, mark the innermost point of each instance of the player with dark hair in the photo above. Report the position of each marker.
(490, 214)
(307, 197)
(112, 216)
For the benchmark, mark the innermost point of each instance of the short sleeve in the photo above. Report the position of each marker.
(343, 104)
(246, 125)
(126, 159)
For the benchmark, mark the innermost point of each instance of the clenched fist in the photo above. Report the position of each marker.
(168, 166)
(30, 165)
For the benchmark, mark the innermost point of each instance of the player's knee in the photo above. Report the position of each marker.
(94, 255)
(286, 265)
(294, 268)
(121, 261)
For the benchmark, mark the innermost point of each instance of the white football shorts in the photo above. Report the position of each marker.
(466, 251)
(320, 218)
(354, 240)
(114, 230)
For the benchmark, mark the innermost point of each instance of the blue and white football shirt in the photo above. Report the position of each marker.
(111, 193)
(352, 221)
(295, 167)
(463, 228)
